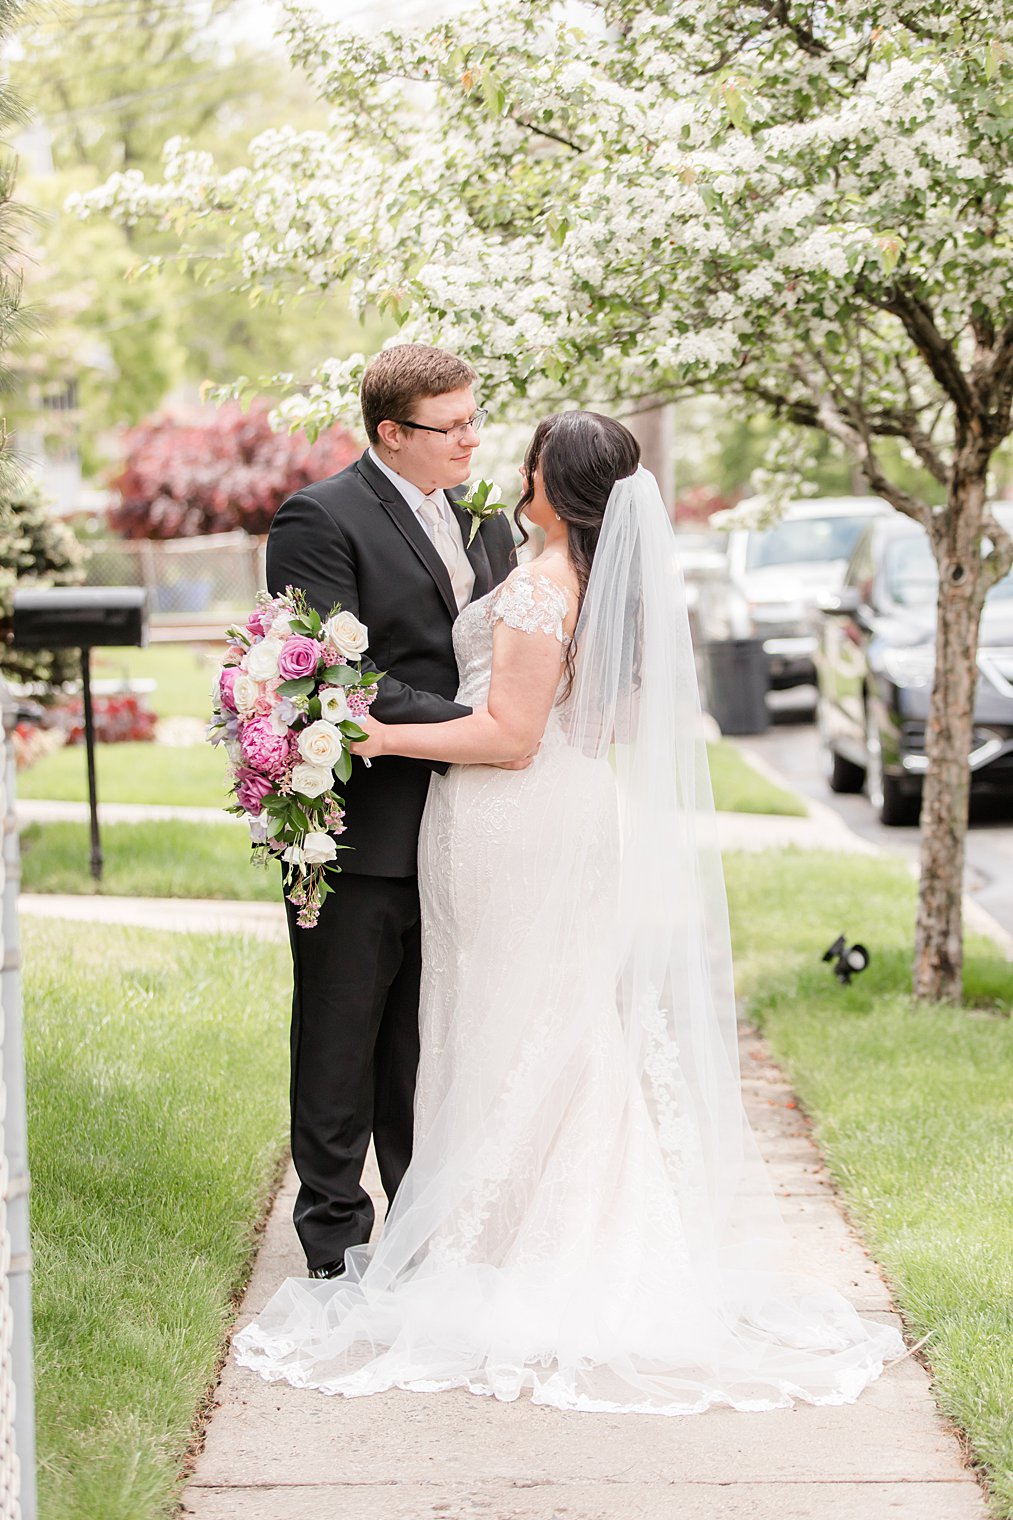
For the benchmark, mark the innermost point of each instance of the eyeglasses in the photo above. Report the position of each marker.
(457, 431)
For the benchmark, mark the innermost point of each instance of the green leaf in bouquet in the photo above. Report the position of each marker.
(343, 766)
(275, 825)
(370, 677)
(299, 688)
(315, 621)
(272, 803)
(340, 675)
(298, 818)
(352, 730)
(300, 625)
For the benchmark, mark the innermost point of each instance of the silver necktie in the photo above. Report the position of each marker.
(448, 545)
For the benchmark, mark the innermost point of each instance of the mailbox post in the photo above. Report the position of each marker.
(81, 617)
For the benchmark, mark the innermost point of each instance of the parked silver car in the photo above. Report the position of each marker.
(876, 663)
(777, 575)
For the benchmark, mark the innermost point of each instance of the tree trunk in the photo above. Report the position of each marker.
(939, 950)
(653, 430)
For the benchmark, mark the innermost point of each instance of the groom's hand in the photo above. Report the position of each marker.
(516, 765)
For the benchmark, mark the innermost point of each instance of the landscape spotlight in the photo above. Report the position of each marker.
(849, 962)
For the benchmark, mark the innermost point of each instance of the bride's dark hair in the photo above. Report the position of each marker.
(582, 455)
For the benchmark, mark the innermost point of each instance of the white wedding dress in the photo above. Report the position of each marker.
(560, 1230)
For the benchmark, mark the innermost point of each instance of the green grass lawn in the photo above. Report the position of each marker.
(147, 860)
(738, 788)
(156, 1068)
(182, 673)
(912, 1108)
(185, 776)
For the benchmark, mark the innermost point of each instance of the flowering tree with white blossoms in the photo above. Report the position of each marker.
(801, 207)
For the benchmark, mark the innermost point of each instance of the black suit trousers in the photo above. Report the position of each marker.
(355, 1054)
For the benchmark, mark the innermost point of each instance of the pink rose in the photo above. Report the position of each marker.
(226, 682)
(298, 657)
(255, 623)
(252, 790)
(267, 701)
(263, 749)
(234, 654)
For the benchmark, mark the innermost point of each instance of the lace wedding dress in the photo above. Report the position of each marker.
(563, 1228)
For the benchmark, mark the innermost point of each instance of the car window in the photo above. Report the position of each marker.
(804, 540)
(911, 577)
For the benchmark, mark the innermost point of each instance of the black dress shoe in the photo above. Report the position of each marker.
(330, 1269)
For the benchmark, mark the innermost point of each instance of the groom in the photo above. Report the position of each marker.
(387, 540)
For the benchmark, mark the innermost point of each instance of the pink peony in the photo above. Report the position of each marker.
(226, 682)
(263, 749)
(298, 657)
(252, 790)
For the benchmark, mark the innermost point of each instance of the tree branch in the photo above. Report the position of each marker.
(1000, 384)
(801, 412)
(803, 35)
(937, 351)
(857, 441)
(529, 126)
(999, 562)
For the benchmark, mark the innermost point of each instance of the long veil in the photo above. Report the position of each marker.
(586, 1214)
(636, 698)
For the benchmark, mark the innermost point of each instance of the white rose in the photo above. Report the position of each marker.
(262, 660)
(348, 635)
(311, 780)
(318, 848)
(333, 704)
(280, 628)
(320, 744)
(245, 692)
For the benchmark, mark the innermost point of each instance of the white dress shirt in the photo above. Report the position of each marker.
(414, 496)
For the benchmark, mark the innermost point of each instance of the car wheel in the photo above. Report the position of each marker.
(842, 775)
(893, 806)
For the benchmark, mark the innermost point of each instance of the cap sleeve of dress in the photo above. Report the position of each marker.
(530, 602)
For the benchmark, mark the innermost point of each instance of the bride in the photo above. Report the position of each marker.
(586, 1215)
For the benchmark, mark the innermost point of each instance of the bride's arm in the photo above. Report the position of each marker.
(526, 669)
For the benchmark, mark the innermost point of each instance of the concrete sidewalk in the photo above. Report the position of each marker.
(187, 915)
(29, 810)
(278, 1453)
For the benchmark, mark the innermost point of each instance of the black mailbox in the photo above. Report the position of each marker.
(79, 617)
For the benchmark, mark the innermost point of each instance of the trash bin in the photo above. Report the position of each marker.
(735, 679)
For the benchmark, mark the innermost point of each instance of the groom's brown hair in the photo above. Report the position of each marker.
(401, 376)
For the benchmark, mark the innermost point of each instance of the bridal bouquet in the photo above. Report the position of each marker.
(285, 704)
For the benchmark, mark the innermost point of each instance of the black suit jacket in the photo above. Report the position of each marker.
(354, 539)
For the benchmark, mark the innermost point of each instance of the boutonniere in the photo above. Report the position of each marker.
(483, 500)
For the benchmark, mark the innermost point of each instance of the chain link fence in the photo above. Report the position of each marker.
(189, 580)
